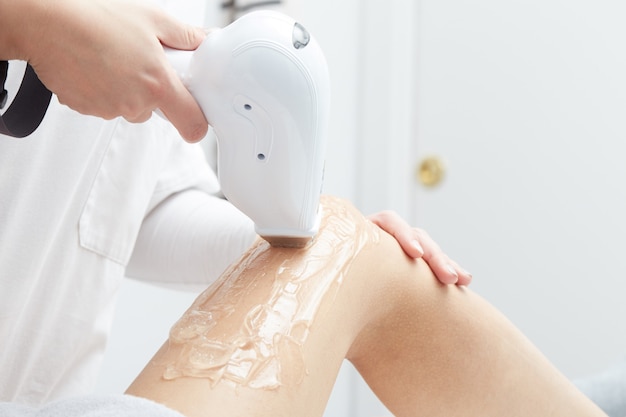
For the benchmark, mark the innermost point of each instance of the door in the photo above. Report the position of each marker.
(524, 103)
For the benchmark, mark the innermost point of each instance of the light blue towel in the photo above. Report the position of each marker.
(91, 406)
(607, 389)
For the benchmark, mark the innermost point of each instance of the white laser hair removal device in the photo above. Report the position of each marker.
(263, 84)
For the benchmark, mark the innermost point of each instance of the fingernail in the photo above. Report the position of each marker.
(417, 247)
(453, 272)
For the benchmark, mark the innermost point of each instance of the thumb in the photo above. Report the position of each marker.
(178, 35)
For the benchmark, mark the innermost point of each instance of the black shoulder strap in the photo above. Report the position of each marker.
(29, 106)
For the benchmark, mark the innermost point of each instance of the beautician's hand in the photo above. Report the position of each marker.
(418, 244)
(105, 57)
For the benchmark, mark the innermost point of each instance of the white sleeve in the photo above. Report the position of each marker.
(189, 239)
(189, 234)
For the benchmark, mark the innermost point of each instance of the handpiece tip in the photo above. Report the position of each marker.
(288, 241)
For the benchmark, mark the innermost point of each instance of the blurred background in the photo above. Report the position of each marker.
(499, 126)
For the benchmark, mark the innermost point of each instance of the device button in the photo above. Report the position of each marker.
(264, 133)
(300, 37)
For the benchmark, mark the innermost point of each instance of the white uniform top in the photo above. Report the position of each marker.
(78, 198)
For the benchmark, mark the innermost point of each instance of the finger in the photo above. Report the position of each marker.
(182, 110)
(395, 225)
(446, 270)
(443, 268)
(465, 278)
(178, 105)
(178, 35)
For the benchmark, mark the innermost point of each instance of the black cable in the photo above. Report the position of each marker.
(4, 94)
(29, 105)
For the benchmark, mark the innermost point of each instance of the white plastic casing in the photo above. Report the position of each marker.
(262, 83)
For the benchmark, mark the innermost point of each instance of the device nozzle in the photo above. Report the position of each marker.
(288, 241)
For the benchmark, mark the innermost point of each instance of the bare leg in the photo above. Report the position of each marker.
(268, 339)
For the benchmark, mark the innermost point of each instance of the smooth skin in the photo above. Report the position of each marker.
(426, 349)
(105, 57)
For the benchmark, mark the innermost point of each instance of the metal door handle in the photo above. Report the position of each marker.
(430, 171)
